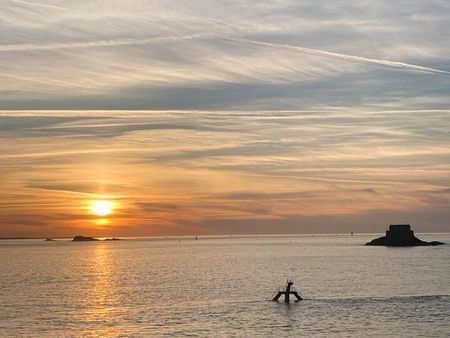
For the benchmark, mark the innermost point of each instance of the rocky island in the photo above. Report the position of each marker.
(83, 239)
(88, 239)
(401, 235)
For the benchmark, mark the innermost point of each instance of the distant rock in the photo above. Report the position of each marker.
(401, 235)
(49, 240)
(87, 239)
(83, 239)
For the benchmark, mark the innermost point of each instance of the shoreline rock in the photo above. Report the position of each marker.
(401, 235)
(83, 239)
(90, 239)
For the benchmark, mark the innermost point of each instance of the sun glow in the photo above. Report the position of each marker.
(102, 207)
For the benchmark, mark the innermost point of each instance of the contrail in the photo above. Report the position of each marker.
(133, 41)
(97, 43)
(41, 5)
(388, 63)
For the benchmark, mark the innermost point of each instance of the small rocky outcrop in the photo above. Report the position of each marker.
(88, 239)
(83, 239)
(401, 235)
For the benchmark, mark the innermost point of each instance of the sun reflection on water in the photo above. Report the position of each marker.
(101, 303)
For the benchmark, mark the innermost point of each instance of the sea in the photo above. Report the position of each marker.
(223, 286)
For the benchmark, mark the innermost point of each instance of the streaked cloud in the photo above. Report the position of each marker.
(90, 44)
(218, 117)
(213, 55)
(388, 63)
(296, 169)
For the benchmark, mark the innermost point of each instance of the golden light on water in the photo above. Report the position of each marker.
(102, 207)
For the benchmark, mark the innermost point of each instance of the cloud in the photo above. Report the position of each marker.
(318, 111)
(152, 55)
(92, 44)
(38, 4)
(131, 41)
(207, 166)
(388, 63)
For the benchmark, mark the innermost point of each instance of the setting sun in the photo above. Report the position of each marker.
(102, 207)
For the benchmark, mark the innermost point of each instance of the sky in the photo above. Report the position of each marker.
(224, 117)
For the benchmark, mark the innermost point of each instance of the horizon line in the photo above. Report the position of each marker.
(220, 236)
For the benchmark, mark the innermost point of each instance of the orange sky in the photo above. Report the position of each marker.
(183, 173)
(223, 117)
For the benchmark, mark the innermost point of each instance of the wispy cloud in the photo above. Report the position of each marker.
(39, 4)
(265, 166)
(147, 55)
(355, 58)
(95, 43)
(144, 41)
(321, 113)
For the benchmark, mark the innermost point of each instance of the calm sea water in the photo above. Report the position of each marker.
(222, 286)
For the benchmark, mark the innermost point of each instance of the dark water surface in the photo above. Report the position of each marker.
(222, 287)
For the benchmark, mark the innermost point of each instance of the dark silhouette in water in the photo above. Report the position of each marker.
(290, 290)
(89, 239)
(49, 240)
(83, 239)
(401, 235)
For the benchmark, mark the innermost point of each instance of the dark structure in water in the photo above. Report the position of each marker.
(400, 235)
(90, 239)
(290, 290)
(83, 239)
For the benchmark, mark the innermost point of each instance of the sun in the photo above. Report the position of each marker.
(102, 207)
